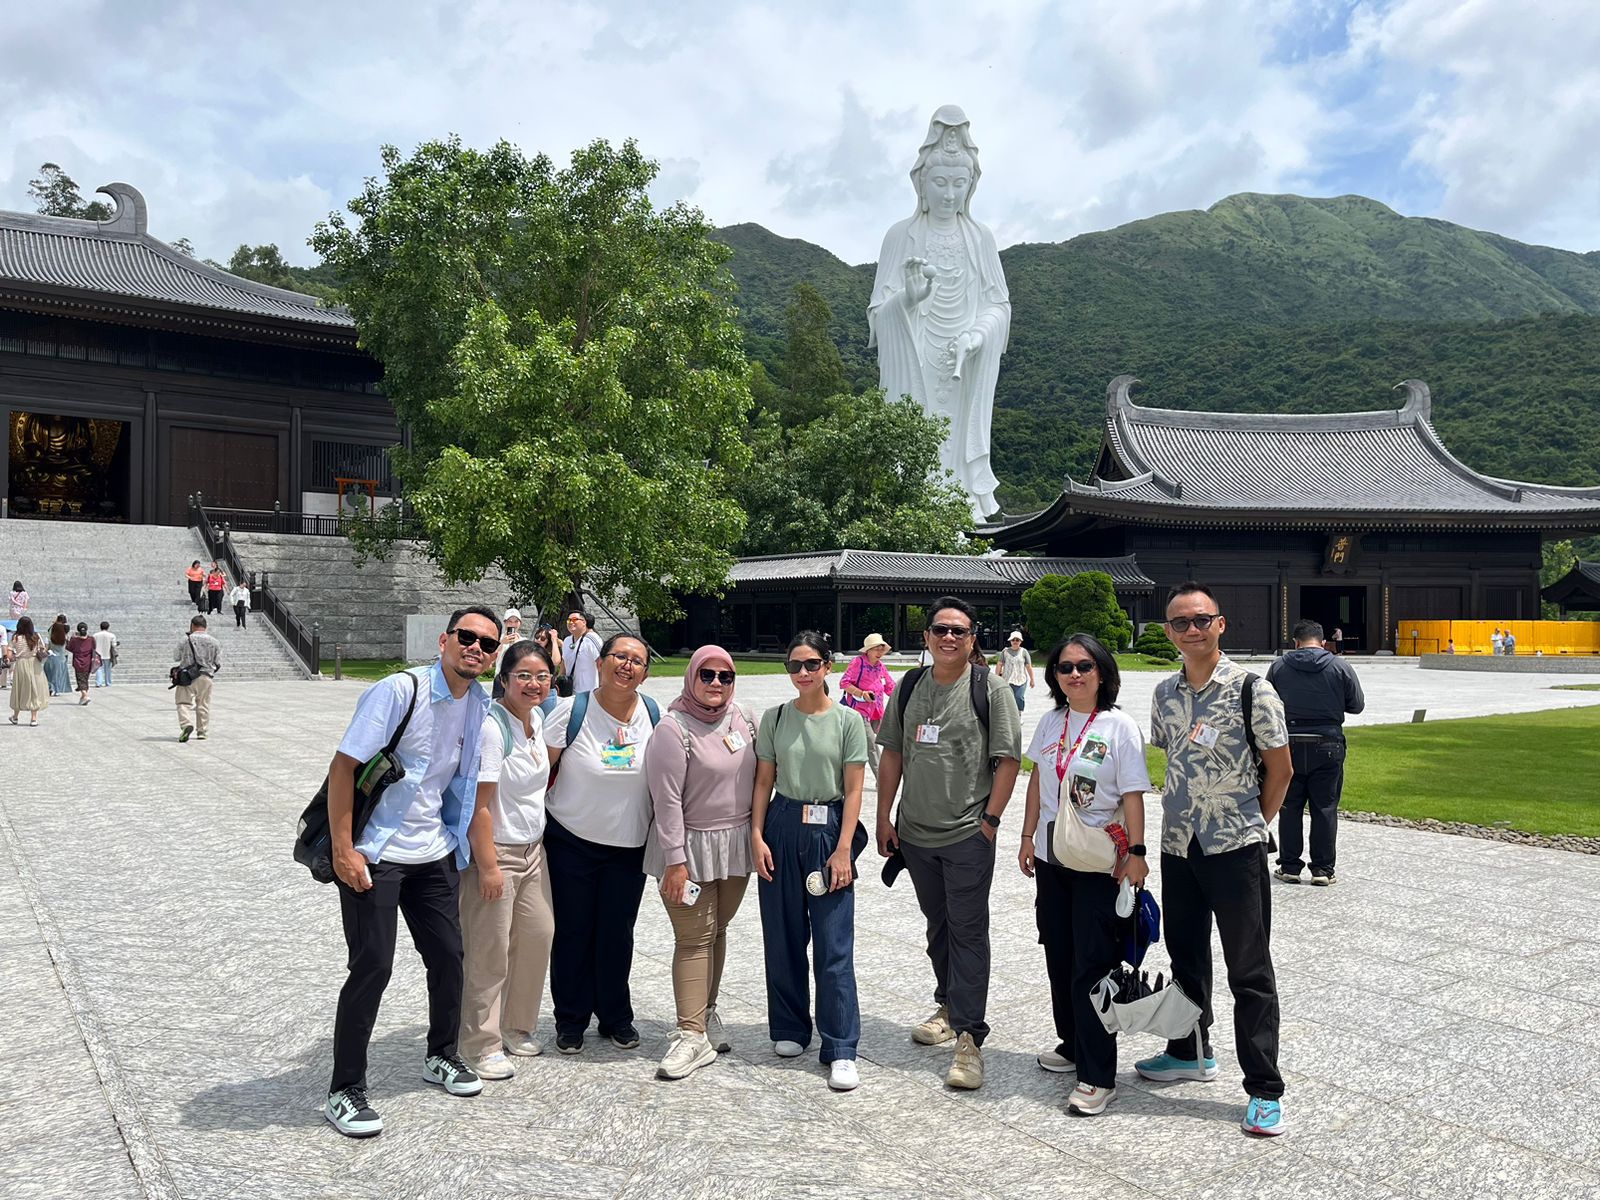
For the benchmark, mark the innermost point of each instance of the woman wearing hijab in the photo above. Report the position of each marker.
(701, 780)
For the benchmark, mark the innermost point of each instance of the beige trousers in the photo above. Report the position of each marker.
(506, 944)
(701, 944)
(194, 704)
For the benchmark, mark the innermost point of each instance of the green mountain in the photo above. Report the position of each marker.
(1259, 303)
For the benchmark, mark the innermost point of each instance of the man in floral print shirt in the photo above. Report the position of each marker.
(1215, 811)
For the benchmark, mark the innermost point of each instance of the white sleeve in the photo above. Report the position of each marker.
(555, 729)
(1133, 773)
(493, 751)
(1043, 735)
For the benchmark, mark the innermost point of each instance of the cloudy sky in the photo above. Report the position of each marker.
(247, 120)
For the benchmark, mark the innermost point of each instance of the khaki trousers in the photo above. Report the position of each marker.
(194, 704)
(700, 930)
(507, 949)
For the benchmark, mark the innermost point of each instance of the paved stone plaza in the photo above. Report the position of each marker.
(170, 978)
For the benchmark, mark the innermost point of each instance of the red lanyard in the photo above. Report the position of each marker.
(1061, 763)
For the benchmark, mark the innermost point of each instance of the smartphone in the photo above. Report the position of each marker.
(691, 892)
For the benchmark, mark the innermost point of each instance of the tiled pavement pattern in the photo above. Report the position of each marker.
(1441, 1018)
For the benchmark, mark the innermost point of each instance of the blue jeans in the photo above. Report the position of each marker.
(102, 677)
(1020, 691)
(791, 917)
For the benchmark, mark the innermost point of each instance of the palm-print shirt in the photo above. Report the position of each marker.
(1213, 793)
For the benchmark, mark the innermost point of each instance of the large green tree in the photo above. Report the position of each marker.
(266, 264)
(56, 194)
(812, 368)
(566, 360)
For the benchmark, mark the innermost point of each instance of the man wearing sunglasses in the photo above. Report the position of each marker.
(580, 653)
(958, 777)
(408, 859)
(1216, 807)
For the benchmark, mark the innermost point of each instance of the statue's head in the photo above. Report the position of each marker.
(947, 168)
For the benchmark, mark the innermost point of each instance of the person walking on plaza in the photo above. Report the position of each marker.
(806, 834)
(80, 649)
(1216, 809)
(19, 599)
(30, 691)
(1015, 668)
(866, 687)
(57, 667)
(1317, 690)
(197, 586)
(409, 857)
(1089, 750)
(203, 653)
(506, 917)
(216, 585)
(954, 736)
(580, 653)
(105, 644)
(702, 772)
(598, 818)
(239, 597)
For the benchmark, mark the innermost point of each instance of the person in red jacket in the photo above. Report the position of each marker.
(216, 585)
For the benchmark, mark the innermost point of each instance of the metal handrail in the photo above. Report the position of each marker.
(276, 520)
(306, 645)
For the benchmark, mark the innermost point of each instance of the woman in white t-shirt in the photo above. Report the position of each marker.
(506, 919)
(1093, 752)
(599, 817)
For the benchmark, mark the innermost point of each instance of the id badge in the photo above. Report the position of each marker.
(625, 736)
(734, 742)
(1204, 735)
(928, 735)
(813, 814)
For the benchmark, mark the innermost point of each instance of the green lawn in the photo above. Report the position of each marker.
(1577, 687)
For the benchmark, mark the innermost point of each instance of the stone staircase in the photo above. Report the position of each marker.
(132, 576)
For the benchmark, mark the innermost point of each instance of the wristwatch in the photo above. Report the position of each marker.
(992, 821)
(1137, 849)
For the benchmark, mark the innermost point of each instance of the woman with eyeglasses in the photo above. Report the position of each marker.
(701, 771)
(805, 837)
(598, 817)
(506, 918)
(1090, 751)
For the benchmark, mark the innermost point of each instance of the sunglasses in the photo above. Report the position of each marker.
(1074, 668)
(1202, 622)
(467, 639)
(950, 631)
(531, 677)
(809, 665)
(725, 678)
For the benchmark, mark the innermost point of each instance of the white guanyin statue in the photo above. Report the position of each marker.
(940, 314)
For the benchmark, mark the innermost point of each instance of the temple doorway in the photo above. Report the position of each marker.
(68, 468)
(1341, 607)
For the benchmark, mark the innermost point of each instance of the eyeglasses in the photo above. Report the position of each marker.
(950, 631)
(526, 677)
(725, 678)
(1082, 667)
(808, 665)
(1202, 622)
(636, 663)
(467, 638)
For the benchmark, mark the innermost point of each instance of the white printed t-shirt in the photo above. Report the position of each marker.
(1111, 756)
(520, 778)
(602, 794)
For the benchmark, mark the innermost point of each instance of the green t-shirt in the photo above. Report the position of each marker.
(811, 751)
(945, 786)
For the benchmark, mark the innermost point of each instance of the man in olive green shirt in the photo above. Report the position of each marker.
(958, 780)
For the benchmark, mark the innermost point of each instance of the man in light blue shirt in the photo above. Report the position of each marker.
(408, 857)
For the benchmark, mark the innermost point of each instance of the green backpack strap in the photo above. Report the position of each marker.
(502, 719)
(580, 710)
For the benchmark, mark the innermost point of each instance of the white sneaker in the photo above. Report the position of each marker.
(715, 1033)
(521, 1042)
(1087, 1100)
(936, 1030)
(788, 1049)
(687, 1052)
(1055, 1062)
(349, 1112)
(494, 1066)
(842, 1075)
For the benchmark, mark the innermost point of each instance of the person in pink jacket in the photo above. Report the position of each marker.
(866, 686)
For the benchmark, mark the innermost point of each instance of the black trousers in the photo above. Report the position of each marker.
(952, 885)
(595, 892)
(239, 611)
(1317, 783)
(214, 599)
(426, 895)
(1079, 930)
(197, 594)
(1233, 886)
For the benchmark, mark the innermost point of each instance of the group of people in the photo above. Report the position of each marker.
(520, 831)
(208, 588)
(35, 666)
(1502, 642)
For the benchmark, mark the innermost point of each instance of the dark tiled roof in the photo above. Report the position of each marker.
(118, 259)
(953, 571)
(1580, 585)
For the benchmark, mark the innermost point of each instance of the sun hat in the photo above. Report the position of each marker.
(1016, 636)
(872, 642)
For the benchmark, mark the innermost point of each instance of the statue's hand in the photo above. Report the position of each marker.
(918, 275)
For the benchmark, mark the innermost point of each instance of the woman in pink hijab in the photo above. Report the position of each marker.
(701, 767)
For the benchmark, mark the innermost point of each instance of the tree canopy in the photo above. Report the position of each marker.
(1059, 605)
(56, 194)
(266, 264)
(566, 360)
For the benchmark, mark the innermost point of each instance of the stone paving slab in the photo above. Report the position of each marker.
(1441, 1029)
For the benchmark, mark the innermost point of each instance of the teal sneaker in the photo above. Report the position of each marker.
(1164, 1068)
(1264, 1117)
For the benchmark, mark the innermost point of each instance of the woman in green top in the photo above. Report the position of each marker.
(805, 838)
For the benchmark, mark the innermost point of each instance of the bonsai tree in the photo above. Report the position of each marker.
(1155, 643)
(1059, 605)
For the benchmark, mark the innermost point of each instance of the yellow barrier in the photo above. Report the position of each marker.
(1475, 637)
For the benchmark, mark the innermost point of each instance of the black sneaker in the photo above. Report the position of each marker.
(452, 1073)
(347, 1111)
(1321, 880)
(626, 1038)
(569, 1043)
(183, 735)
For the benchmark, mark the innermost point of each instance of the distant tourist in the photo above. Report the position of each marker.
(57, 667)
(510, 634)
(80, 648)
(1015, 668)
(106, 644)
(1338, 640)
(197, 585)
(1214, 849)
(239, 597)
(1317, 691)
(216, 585)
(19, 599)
(1450, 646)
(806, 834)
(1510, 643)
(409, 857)
(580, 653)
(30, 691)
(203, 654)
(702, 774)
(865, 687)
(551, 645)
(1497, 641)
(507, 921)
(958, 771)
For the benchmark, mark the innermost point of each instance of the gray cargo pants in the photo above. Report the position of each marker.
(952, 885)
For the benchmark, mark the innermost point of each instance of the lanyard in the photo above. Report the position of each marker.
(1061, 763)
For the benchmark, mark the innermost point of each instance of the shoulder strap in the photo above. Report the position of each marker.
(400, 729)
(580, 710)
(1246, 702)
(683, 734)
(654, 709)
(502, 719)
(907, 686)
(980, 696)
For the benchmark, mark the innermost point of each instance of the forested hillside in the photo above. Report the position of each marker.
(1260, 303)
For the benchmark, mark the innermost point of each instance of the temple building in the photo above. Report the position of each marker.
(133, 376)
(1356, 520)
